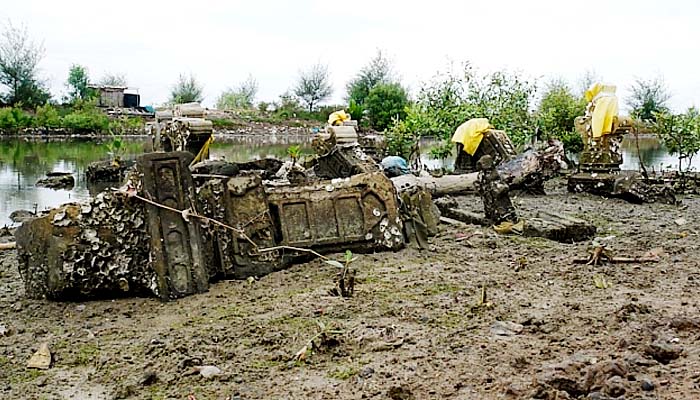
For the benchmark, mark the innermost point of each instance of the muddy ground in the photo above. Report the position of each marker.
(415, 329)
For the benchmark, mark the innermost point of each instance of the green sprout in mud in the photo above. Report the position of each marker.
(345, 280)
(294, 152)
(325, 336)
(601, 282)
(115, 148)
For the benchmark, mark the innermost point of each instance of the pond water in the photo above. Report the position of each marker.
(24, 161)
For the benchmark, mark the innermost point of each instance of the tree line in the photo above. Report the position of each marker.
(375, 97)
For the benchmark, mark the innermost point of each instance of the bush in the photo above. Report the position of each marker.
(47, 116)
(680, 134)
(355, 110)
(450, 99)
(13, 118)
(86, 118)
(7, 119)
(386, 102)
(556, 113)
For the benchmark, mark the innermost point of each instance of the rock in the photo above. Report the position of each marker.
(41, 359)
(3, 330)
(680, 221)
(597, 396)
(400, 393)
(208, 371)
(366, 372)
(57, 180)
(506, 328)
(616, 386)
(20, 216)
(648, 385)
(662, 352)
(149, 377)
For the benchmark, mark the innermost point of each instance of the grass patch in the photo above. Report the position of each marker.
(86, 354)
(343, 373)
(440, 288)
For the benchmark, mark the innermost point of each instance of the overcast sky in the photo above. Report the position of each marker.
(221, 43)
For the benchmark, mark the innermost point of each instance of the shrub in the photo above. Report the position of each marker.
(680, 134)
(450, 99)
(86, 118)
(386, 102)
(47, 116)
(13, 118)
(7, 119)
(556, 113)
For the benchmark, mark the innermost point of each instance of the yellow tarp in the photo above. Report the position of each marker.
(605, 108)
(338, 117)
(470, 134)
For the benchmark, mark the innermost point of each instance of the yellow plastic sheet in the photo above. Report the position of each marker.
(338, 117)
(470, 134)
(605, 108)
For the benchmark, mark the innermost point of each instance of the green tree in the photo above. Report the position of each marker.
(313, 86)
(680, 134)
(242, 96)
(19, 68)
(648, 98)
(77, 83)
(557, 110)
(186, 90)
(378, 70)
(111, 79)
(385, 103)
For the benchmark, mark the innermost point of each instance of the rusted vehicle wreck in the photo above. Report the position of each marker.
(169, 232)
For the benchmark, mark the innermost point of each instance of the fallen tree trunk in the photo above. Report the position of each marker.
(528, 171)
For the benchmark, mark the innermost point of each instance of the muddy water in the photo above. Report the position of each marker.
(24, 161)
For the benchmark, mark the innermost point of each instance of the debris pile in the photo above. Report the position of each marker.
(57, 180)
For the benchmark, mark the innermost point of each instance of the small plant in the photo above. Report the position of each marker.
(345, 280)
(324, 338)
(600, 282)
(294, 153)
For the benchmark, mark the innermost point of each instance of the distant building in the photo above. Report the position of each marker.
(116, 96)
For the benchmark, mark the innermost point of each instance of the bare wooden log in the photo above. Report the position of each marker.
(620, 260)
(437, 186)
(8, 246)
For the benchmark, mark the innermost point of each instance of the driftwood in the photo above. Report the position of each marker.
(528, 171)
(8, 246)
(620, 260)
